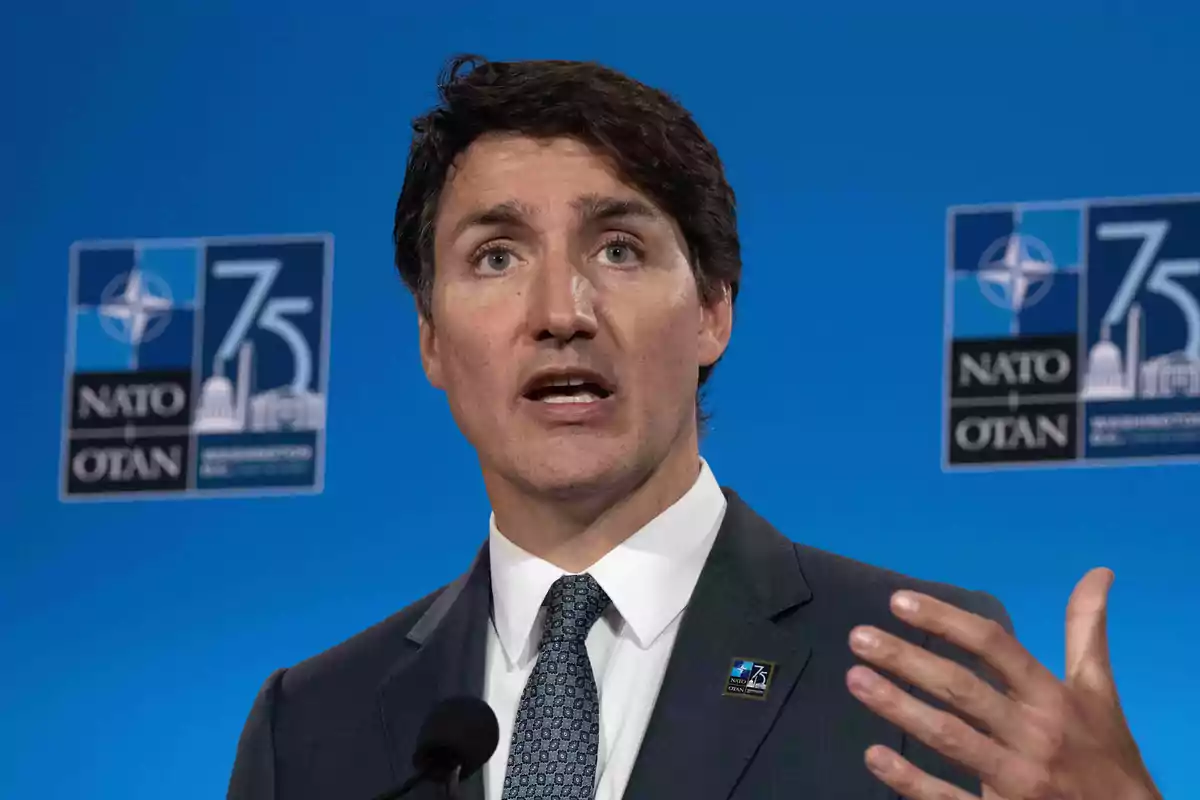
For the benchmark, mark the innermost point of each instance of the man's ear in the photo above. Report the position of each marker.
(430, 360)
(716, 325)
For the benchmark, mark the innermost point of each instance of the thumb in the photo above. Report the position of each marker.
(1088, 662)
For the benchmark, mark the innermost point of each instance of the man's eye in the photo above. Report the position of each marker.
(496, 260)
(618, 253)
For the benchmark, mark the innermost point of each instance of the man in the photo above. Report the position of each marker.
(571, 243)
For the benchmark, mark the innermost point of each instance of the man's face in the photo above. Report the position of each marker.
(567, 327)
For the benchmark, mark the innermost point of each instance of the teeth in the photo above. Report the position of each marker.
(582, 397)
(567, 382)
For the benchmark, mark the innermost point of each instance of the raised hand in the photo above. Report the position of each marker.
(1043, 739)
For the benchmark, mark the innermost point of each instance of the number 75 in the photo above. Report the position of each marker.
(1163, 276)
(270, 315)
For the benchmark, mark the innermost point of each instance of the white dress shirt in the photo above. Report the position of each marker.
(649, 578)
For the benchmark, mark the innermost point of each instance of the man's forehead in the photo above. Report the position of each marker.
(535, 176)
(495, 149)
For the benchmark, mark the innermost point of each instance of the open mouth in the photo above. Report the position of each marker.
(568, 388)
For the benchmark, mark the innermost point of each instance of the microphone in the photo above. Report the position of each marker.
(457, 738)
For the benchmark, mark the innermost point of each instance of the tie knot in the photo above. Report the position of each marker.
(574, 603)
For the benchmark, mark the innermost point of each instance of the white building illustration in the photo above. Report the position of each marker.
(1173, 375)
(1113, 375)
(228, 408)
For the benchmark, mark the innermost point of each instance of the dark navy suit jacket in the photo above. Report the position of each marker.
(342, 725)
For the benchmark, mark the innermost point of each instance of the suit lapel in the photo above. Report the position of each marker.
(448, 648)
(700, 739)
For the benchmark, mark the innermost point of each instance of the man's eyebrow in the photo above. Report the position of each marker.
(591, 208)
(597, 208)
(510, 212)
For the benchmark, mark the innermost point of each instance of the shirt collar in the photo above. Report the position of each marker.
(649, 577)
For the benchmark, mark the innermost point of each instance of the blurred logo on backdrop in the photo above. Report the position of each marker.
(1073, 333)
(196, 367)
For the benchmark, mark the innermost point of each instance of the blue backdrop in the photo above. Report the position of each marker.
(135, 634)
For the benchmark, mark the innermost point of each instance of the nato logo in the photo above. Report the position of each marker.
(751, 679)
(1015, 272)
(1073, 332)
(196, 367)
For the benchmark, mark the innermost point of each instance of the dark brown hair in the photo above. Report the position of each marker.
(651, 140)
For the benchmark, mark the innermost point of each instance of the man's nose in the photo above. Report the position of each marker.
(562, 302)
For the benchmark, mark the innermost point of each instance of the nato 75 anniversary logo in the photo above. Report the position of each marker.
(1073, 333)
(196, 367)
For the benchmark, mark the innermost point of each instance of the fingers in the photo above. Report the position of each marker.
(985, 638)
(1087, 662)
(1008, 771)
(949, 682)
(944, 732)
(908, 781)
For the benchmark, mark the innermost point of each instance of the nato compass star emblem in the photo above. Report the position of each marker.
(135, 307)
(1016, 272)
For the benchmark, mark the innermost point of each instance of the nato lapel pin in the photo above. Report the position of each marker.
(751, 679)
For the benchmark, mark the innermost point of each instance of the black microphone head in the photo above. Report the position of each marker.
(459, 732)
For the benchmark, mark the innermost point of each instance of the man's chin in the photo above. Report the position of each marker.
(574, 473)
(567, 481)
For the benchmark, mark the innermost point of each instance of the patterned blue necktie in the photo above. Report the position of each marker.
(557, 732)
